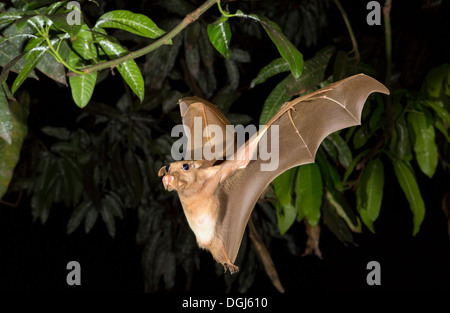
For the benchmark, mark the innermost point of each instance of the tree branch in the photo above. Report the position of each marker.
(264, 254)
(190, 18)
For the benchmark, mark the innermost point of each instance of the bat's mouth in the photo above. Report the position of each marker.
(167, 181)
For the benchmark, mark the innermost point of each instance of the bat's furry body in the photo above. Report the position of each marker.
(218, 199)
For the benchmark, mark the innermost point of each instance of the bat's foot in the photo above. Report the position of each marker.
(230, 267)
(220, 255)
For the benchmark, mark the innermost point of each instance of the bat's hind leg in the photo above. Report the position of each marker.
(220, 255)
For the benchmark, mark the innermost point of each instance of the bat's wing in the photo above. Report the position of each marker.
(302, 125)
(202, 123)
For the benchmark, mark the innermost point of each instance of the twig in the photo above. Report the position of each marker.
(265, 256)
(389, 121)
(388, 40)
(190, 18)
(13, 204)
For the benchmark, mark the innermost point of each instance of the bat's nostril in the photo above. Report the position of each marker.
(167, 180)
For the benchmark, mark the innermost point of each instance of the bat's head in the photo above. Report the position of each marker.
(179, 175)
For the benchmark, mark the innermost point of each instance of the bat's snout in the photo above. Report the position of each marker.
(167, 181)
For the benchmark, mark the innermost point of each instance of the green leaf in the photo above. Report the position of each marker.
(337, 201)
(56, 7)
(112, 202)
(135, 174)
(423, 137)
(360, 137)
(78, 214)
(376, 119)
(33, 56)
(129, 70)
(232, 74)
(10, 153)
(435, 79)
(440, 126)
(313, 72)
(134, 23)
(160, 62)
(409, 186)
(82, 86)
(340, 69)
(61, 23)
(91, 218)
(367, 220)
(49, 199)
(277, 97)
(309, 189)
(192, 50)
(344, 152)
(369, 192)
(75, 173)
(8, 17)
(329, 173)
(286, 217)
(67, 180)
(286, 49)
(219, 34)
(55, 70)
(208, 56)
(84, 45)
(30, 4)
(329, 147)
(5, 118)
(16, 37)
(283, 185)
(11, 55)
(352, 165)
(46, 187)
(108, 218)
(401, 143)
(440, 110)
(336, 223)
(286, 212)
(275, 67)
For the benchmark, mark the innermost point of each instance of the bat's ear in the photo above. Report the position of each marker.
(162, 171)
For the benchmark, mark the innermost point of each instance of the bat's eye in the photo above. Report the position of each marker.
(167, 168)
(185, 167)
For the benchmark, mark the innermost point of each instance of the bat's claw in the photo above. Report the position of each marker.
(231, 267)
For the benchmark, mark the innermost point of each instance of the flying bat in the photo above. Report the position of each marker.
(218, 196)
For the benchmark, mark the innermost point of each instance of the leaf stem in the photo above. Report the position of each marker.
(58, 58)
(190, 18)
(226, 14)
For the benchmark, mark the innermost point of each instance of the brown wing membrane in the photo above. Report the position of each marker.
(303, 124)
(193, 109)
